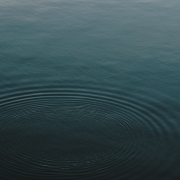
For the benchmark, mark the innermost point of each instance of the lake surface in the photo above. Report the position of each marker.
(89, 89)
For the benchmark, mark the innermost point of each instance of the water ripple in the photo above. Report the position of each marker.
(84, 134)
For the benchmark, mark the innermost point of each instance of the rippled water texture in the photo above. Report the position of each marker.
(89, 90)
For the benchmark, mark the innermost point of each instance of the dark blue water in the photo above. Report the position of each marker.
(89, 89)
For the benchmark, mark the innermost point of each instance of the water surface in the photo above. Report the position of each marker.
(89, 89)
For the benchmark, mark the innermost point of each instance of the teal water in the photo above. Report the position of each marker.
(89, 89)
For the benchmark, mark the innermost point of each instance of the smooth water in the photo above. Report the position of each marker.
(89, 89)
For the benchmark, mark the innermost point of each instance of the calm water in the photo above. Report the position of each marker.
(89, 89)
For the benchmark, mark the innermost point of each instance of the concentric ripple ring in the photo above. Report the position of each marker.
(81, 134)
